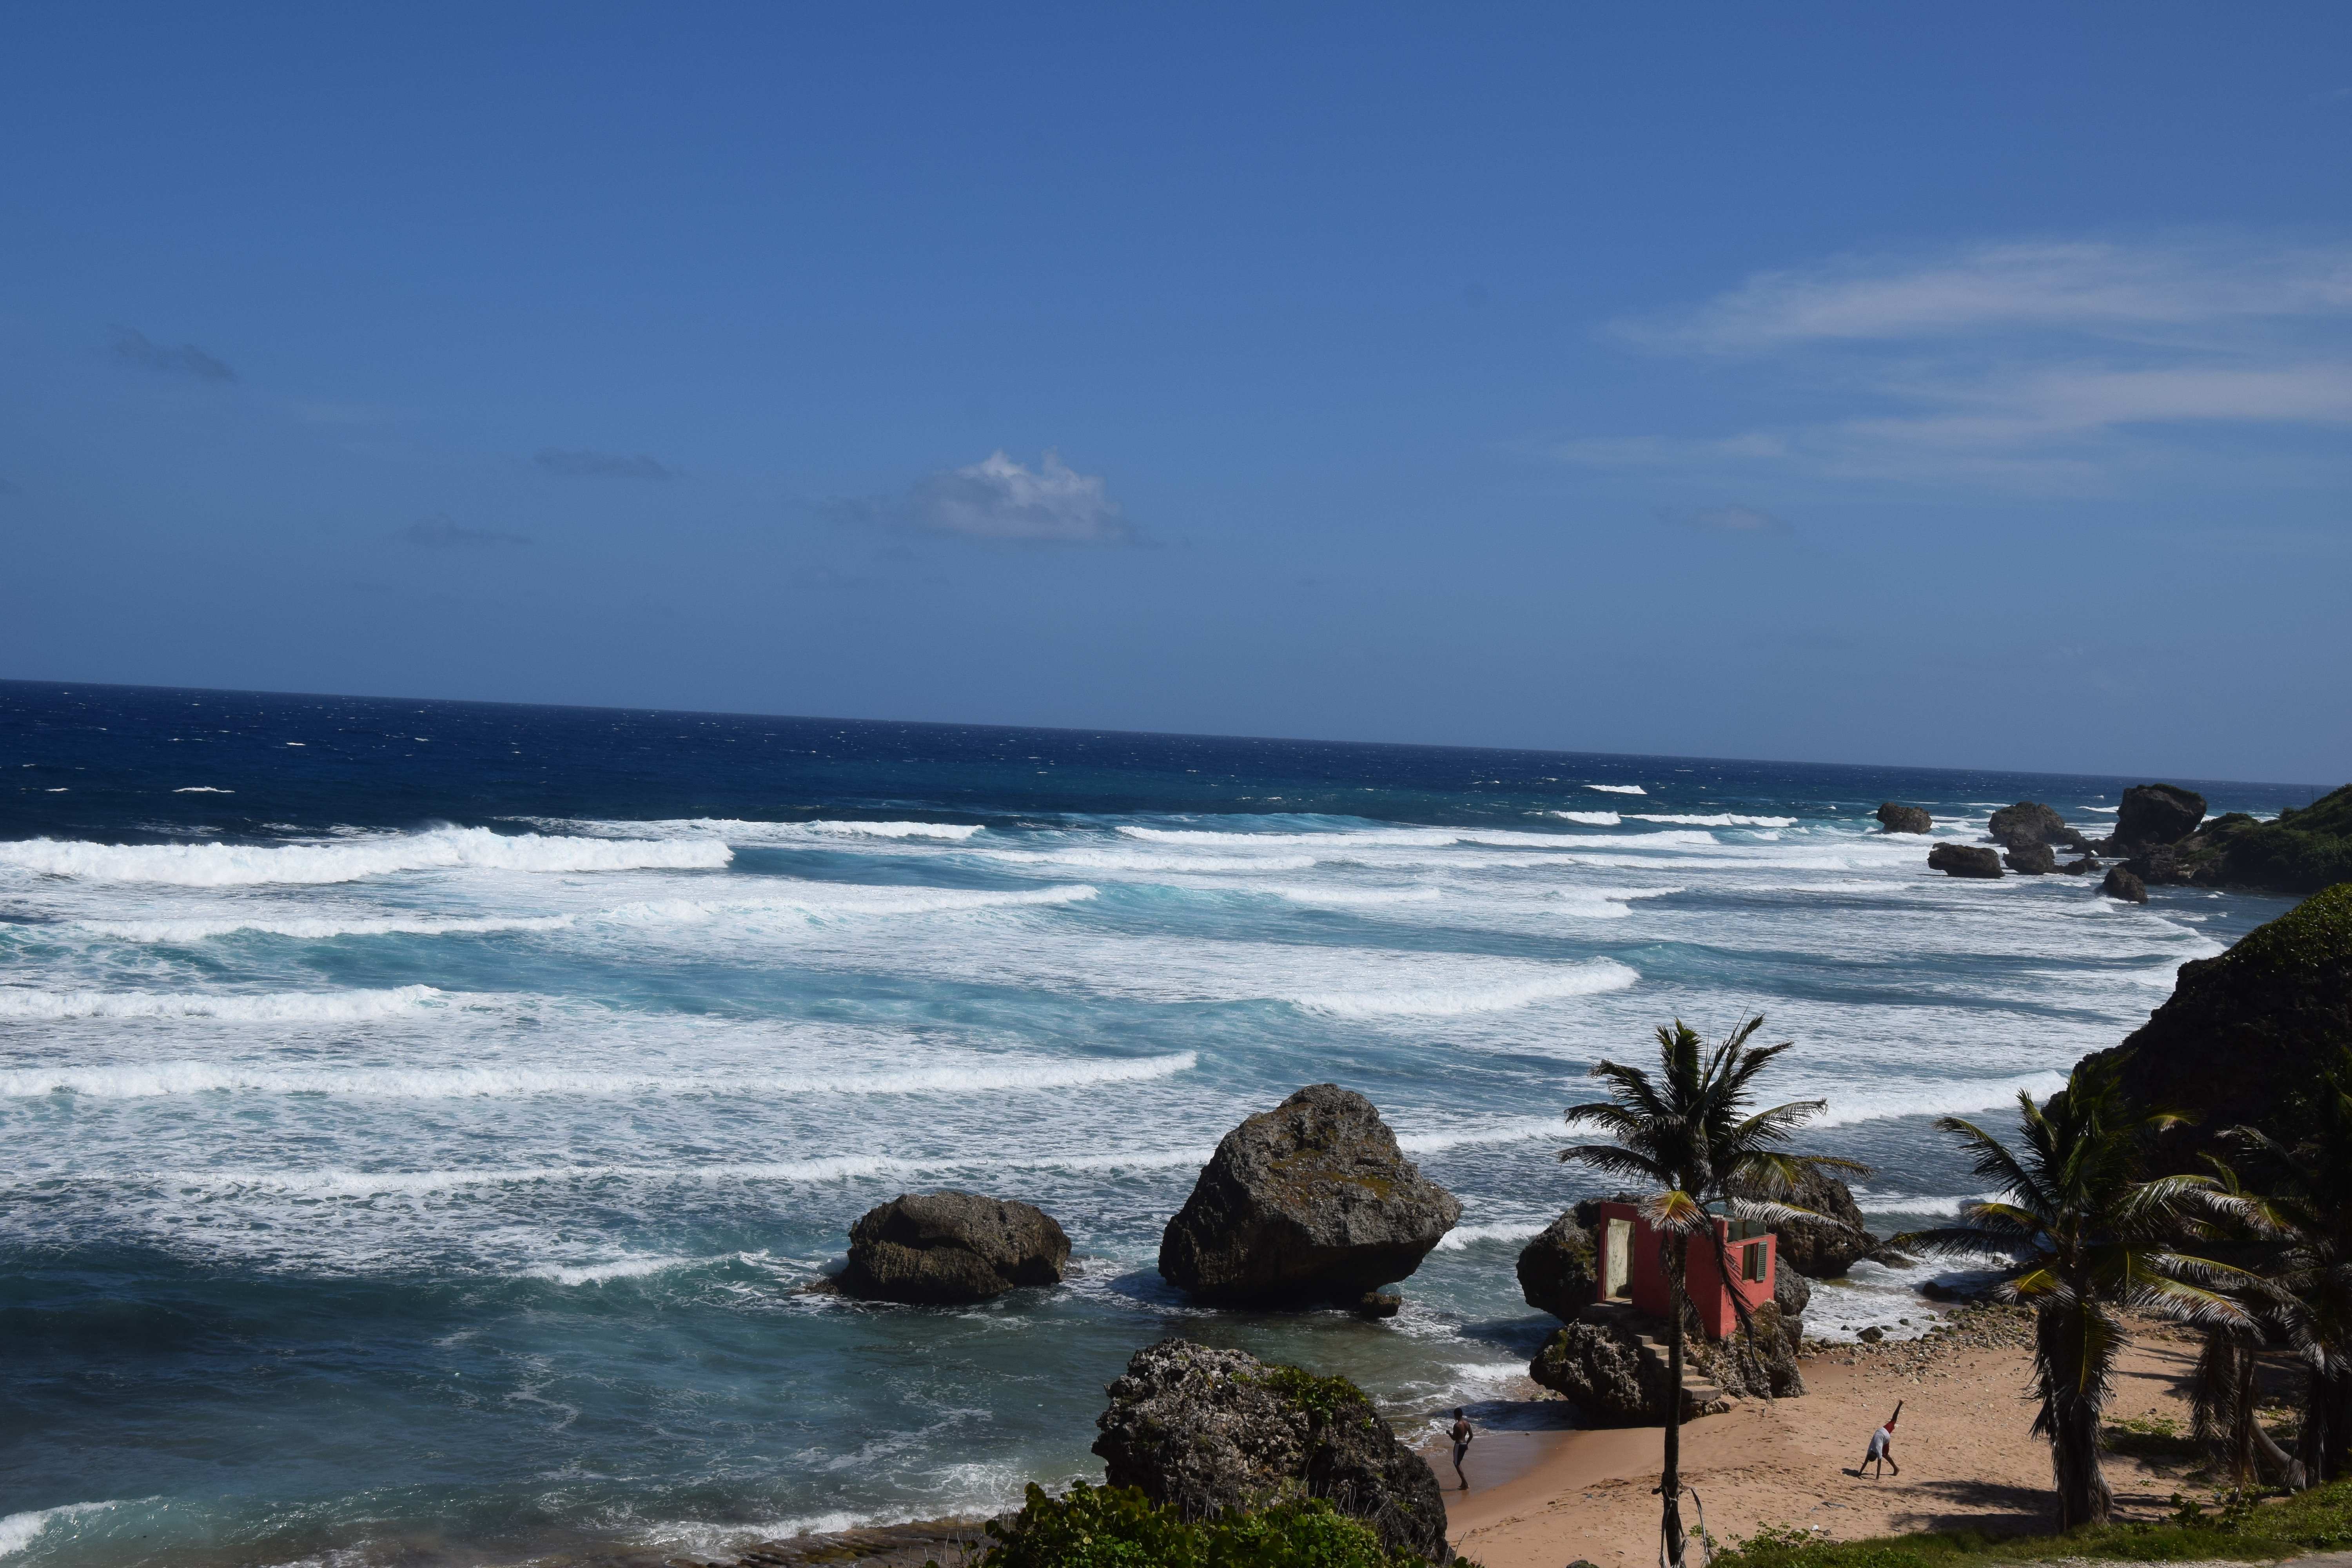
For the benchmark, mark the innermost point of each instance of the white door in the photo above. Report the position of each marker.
(1616, 1261)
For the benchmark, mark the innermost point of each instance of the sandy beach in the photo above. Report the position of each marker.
(1968, 1460)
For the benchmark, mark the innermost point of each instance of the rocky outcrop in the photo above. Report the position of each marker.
(1823, 1248)
(1964, 860)
(2120, 883)
(2030, 859)
(1896, 818)
(944, 1249)
(1759, 1363)
(1792, 1293)
(2030, 823)
(1611, 1364)
(2087, 866)
(2245, 1032)
(1558, 1270)
(1208, 1430)
(1311, 1202)
(2153, 814)
(2302, 852)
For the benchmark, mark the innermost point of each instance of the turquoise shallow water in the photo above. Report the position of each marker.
(415, 1119)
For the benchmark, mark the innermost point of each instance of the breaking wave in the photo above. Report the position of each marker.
(268, 1007)
(1722, 819)
(239, 864)
(1619, 789)
(1454, 1001)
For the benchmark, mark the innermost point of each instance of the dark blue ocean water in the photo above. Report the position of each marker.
(416, 1117)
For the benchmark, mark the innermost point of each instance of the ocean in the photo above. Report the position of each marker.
(418, 1119)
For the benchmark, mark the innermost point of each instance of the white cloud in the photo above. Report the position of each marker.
(999, 498)
(2041, 366)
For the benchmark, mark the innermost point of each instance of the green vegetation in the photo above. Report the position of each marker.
(2090, 1239)
(1119, 1527)
(2301, 852)
(2229, 1527)
(1325, 1398)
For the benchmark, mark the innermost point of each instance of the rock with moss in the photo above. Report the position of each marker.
(2121, 883)
(949, 1249)
(1309, 1203)
(2244, 1033)
(1894, 817)
(1210, 1431)
(2302, 852)
(1758, 1362)
(1611, 1364)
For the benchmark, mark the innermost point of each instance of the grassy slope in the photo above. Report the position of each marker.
(2317, 1520)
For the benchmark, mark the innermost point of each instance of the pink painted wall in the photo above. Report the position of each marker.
(1711, 1294)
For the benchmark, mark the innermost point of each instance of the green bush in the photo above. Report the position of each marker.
(1119, 1527)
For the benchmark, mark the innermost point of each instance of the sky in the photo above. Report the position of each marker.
(1937, 386)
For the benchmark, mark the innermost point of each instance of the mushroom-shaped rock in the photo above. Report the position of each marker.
(944, 1249)
(2119, 883)
(1964, 860)
(2155, 814)
(1206, 1431)
(1311, 1202)
(1894, 817)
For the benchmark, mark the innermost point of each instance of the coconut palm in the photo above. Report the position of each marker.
(1685, 1135)
(2086, 1234)
(2304, 1219)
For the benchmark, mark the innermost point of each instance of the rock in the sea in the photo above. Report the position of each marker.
(2119, 883)
(1557, 1270)
(1964, 860)
(2030, 859)
(2243, 1032)
(2087, 865)
(1823, 1248)
(1311, 1202)
(2155, 814)
(1210, 1430)
(2030, 823)
(2300, 851)
(941, 1249)
(1898, 818)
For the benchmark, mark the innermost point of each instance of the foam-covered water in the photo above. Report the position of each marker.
(416, 1119)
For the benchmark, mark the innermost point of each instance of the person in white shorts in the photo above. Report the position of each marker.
(1881, 1445)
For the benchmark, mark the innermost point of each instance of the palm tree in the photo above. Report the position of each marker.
(1686, 1135)
(2086, 1236)
(2305, 1221)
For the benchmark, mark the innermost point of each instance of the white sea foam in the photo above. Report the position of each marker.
(1462, 1236)
(1720, 820)
(1516, 1129)
(1949, 1097)
(604, 1273)
(1345, 897)
(267, 1007)
(1619, 789)
(147, 1081)
(319, 928)
(202, 789)
(1591, 818)
(1453, 1001)
(236, 864)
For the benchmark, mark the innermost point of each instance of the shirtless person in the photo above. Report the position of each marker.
(1460, 1433)
(1881, 1445)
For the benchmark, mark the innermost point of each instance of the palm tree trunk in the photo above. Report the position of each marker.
(2073, 1374)
(1670, 1483)
(2327, 1426)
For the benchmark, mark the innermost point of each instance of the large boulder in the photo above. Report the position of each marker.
(2301, 851)
(1311, 1202)
(2243, 1032)
(2030, 823)
(2121, 883)
(1964, 860)
(2155, 814)
(1822, 1248)
(1792, 1293)
(1210, 1430)
(1896, 818)
(943, 1248)
(2030, 859)
(1559, 1271)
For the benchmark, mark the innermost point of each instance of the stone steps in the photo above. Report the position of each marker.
(1700, 1397)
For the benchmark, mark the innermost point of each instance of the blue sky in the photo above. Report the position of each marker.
(1842, 383)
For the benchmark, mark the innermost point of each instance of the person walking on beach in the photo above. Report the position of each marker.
(1460, 1433)
(1881, 1445)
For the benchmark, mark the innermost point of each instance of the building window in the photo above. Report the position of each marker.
(1752, 1263)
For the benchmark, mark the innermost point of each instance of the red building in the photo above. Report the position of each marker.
(1631, 1271)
